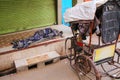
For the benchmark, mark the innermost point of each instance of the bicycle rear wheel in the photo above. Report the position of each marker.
(86, 68)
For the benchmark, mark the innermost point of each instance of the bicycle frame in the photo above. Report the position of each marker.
(86, 53)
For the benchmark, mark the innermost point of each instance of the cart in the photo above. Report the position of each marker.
(85, 57)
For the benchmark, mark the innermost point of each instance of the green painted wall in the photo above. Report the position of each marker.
(17, 15)
(74, 2)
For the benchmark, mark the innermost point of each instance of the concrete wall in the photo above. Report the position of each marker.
(59, 11)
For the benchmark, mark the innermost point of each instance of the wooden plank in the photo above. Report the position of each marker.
(37, 59)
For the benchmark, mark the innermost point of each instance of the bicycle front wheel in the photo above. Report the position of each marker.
(69, 48)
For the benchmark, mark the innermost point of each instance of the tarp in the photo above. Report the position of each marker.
(82, 11)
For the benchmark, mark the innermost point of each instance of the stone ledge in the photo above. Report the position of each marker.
(37, 61)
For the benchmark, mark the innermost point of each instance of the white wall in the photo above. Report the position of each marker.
(80, 1)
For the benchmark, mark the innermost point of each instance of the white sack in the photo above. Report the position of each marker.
(82, 11)
(100, 2)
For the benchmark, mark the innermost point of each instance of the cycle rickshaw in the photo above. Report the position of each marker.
(84, 57)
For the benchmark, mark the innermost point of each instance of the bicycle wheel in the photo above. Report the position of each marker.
(86, 68)
(69, 48)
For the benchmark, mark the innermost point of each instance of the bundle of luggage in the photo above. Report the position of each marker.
(40, 35)
(109, 16)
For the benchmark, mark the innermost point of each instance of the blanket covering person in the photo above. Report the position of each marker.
(40, 35)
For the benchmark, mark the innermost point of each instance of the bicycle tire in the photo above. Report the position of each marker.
(91, 64)
(69, 49)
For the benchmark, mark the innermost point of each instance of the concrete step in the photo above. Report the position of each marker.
(37, 61)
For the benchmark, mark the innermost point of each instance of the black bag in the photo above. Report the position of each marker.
(110, 22)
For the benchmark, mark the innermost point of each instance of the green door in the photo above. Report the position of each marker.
(17, 15)
(74, 2)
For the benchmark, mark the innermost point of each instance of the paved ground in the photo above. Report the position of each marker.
(57, 71)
